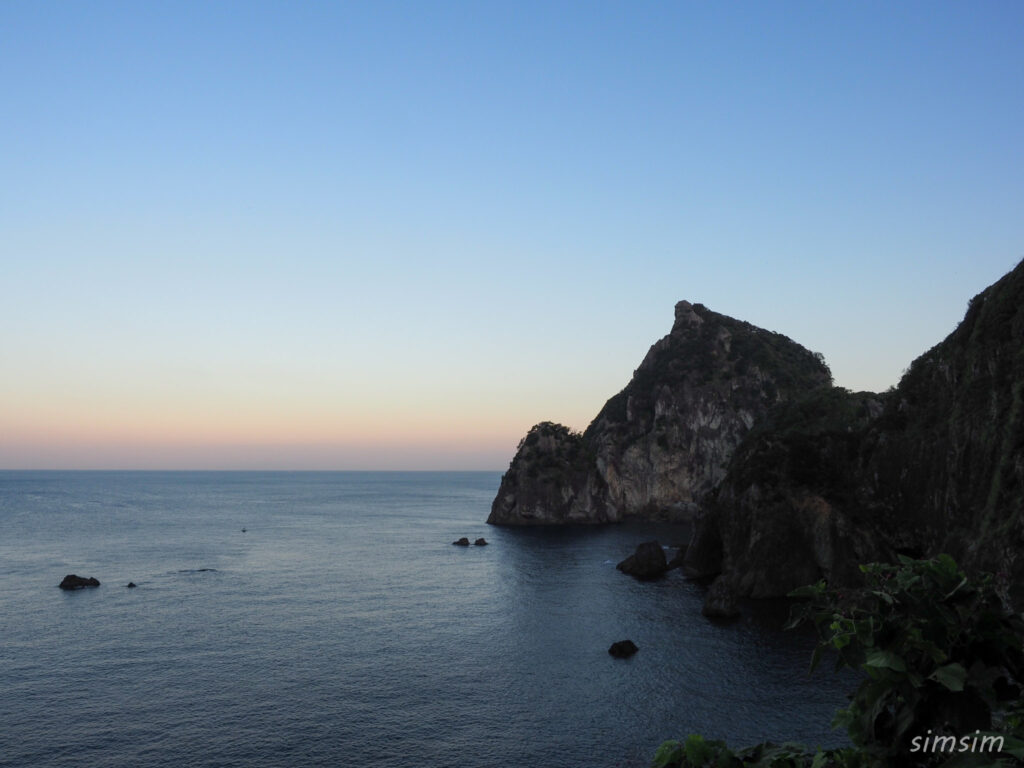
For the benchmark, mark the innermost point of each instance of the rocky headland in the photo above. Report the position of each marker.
(787, 478)
(664, 442)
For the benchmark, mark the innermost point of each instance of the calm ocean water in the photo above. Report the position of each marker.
(343, 629)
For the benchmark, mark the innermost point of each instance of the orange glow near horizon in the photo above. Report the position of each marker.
(219, 433)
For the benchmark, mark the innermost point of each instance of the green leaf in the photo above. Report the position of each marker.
(1013, 746)
(879, 657)
(697, 750)
(809, 591)
(669, 755)
(953, 676)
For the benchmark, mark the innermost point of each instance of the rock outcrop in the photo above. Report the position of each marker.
(839, 478)
(648, 562)
(463, 542)
(661, 445)
(789, 479)
(71, 581)
(623, 649)
(720, 602)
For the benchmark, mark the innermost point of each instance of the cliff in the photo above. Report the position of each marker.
(935, 465)
(660, 446)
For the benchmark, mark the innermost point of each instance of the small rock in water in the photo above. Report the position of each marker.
(463, 542)
(648, 562)
(481, 542)
(130, 585)
(78, 582)
(623, 649)
(243, 530)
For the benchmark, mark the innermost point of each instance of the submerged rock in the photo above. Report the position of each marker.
(481, 542)
(623, 649)
(463, 542)
(648, 562)
(71, 581)
(131, 585)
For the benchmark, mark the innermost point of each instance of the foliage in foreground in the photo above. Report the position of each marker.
(943, 662)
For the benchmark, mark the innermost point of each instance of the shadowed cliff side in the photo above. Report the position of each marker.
(663, 443)
(935, 465)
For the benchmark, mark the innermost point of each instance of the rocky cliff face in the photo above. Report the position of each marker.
(551, 481)
(662, 444)
(936, 465)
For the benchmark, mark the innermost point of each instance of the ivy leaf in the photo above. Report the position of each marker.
(953, 676)
(879, 657)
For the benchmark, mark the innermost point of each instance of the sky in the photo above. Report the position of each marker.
(277, 235)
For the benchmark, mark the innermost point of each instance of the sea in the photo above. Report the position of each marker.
(326, 619)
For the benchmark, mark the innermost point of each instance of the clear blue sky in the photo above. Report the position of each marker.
(351, 235)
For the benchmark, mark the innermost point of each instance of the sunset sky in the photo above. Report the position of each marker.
(396, 235)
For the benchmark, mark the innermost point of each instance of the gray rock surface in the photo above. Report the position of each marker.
(658, 448)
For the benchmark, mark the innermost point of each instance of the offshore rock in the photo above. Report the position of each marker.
(71, 581)
(481, 542)
(660, 446)
(648, 562)
(623, 649)
(463, 542)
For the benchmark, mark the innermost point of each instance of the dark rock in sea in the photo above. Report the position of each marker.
(463, 542)
(623, 649)
(243, 530)
(721, 602)
(648, 562)
(481, 542)
(131, 585)
(78, 582)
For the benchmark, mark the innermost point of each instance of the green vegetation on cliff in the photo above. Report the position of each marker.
(943, 661)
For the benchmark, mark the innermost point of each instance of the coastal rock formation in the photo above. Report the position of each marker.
(663, 443)
(552, 479)
(71, 581)
(481, 542)
(720, 602)
(623, 649)
(463, 542)
(839, 478)
(648, 562)
(788, 479)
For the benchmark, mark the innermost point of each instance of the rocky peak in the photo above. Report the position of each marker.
(661, 445)
(686, 317)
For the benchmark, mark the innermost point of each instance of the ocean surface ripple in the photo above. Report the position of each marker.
(342, 628)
